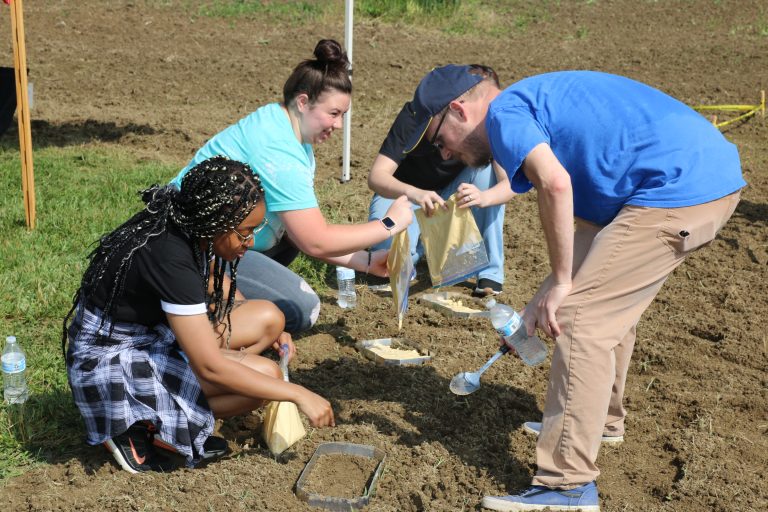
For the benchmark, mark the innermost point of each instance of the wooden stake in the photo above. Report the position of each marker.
(22, 112)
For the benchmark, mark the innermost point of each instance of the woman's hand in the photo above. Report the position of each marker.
(400, 211)
(285, 338)
(378, 265)
(316, 408)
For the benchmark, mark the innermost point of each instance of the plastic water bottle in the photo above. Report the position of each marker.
(346, 279)
(509, 324)
(14, 372)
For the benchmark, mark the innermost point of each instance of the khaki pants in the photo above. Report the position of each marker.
(618, 270)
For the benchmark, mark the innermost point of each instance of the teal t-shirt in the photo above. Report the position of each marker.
(265, 140)
(621, 141)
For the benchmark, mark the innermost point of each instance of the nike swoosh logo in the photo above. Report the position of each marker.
(140, 460)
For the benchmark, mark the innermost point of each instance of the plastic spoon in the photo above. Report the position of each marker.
(465, 383)
(284, 361)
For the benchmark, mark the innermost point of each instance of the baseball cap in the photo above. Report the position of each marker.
(435, 91)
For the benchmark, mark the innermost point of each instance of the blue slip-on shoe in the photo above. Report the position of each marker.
(582, 498)
(534, 427)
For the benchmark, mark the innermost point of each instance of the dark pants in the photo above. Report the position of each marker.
(7, 98)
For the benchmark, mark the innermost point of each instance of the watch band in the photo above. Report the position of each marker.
(388, 223)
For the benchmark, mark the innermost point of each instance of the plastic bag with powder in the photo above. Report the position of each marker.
(453, 244)
(282, 425)
(400, 268)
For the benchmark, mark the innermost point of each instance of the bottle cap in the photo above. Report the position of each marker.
(490, 303)
(345, 273)
(10, 339)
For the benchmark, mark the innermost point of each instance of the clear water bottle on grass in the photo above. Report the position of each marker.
(346, 279)
(14, 372)
(509, 324)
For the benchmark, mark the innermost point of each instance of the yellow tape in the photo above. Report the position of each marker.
(751, 110)
(725, 107)
(743, 116)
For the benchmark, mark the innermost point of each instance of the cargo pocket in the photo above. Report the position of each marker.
(683, 238)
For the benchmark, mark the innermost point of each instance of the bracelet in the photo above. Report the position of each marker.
(368, 267)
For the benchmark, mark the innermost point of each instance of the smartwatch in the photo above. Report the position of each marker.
(389, 224)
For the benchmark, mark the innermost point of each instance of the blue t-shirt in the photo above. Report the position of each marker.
(265, 140)
(622, 142)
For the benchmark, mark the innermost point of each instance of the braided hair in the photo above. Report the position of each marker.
(215, 196)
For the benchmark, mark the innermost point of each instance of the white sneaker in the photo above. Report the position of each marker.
(534, 427)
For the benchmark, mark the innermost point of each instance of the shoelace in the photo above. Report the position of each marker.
(537, 489)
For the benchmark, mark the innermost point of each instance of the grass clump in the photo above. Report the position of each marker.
(413, 10)
(277, 10)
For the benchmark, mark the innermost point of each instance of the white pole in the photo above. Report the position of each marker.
(348, 8)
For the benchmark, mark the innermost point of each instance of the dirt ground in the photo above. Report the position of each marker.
(157, 81)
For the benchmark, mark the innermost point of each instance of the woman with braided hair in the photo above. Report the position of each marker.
(276, 141)
(161, 340)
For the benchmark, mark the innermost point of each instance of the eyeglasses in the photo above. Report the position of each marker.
(245, 239)
(433, 141)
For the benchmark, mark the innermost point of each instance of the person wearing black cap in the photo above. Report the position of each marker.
(428, 180)
(629, 182)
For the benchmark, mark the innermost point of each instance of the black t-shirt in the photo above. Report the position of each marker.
(423, 167)
(163, 277)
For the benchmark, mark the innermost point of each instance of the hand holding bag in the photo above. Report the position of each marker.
(453, 244)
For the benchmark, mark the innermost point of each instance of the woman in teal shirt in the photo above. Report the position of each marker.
(276, 141)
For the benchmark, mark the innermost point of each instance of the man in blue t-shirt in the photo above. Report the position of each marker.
(629, 182)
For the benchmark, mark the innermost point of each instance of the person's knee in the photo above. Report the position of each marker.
(312, 301)
(301, 310)
(264, 319)
(262, 365)
(273, 370)
(274, 320)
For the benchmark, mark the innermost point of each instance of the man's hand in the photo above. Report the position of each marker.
(428, 200)
(469, 195)
(542, 310)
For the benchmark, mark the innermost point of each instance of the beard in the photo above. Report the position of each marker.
(476, 150)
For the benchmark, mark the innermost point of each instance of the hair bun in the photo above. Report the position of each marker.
(158, 197)
(330, 52)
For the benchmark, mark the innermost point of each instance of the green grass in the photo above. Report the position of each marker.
(279, 11)
(410, 10)
(762, 27)
(476, 17)
(80, 194)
